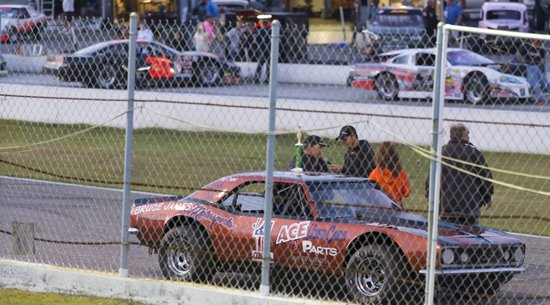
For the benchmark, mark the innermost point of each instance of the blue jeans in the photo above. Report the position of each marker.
(536, 79)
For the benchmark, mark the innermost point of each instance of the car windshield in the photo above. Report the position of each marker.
(7, 12)
(503, 14)
(467, 58)
(343, 199)
(93, 48)
(398, 18)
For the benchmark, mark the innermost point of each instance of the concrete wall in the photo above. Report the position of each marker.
(493, 130)
(45, 278)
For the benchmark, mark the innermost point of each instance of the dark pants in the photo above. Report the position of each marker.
(262, 59)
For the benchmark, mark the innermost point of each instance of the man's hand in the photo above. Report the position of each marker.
(335, 168)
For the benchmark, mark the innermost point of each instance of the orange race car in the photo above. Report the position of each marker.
(332, 225)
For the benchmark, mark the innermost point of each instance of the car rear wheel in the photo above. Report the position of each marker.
(185, 255)
(476, 89)
(387, 86)
(207, 73)
(374, 275)
(106, 76)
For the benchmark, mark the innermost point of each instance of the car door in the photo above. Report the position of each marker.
(424, 78)
(292, 220)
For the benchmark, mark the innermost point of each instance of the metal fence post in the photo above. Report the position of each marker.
(435, 164)
(124, 245)
(266, 256)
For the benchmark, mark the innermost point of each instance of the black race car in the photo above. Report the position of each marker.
(105, 65)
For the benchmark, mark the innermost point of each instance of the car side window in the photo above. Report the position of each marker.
(424, 59)
(401, 60)
(289, 200)
(248, 198)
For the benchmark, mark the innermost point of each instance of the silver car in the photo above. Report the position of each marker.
(393, 28)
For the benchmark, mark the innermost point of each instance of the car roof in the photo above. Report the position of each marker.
(408, 8)
(14, 5)
(413, 51)
(301, 176)
(505, 5)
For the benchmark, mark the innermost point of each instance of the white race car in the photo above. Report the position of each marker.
(20, 21)
(409, 73)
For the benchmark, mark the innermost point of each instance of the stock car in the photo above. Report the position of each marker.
(409, 73)
(20, 20)
(337, 226)
(105, 65)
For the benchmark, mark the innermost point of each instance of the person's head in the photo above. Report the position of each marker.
(264, 23)
(239, 24)
(313, 145)
(460, 132)
(537, 43)
(200, 28)
(142, 25)
(450, 2)
(431, 3)
(387, 157)
(348, 136)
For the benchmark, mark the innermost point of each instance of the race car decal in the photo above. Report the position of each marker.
(292, 232)
(258, 234)
(161, 67)
(309, 247)
(331, 234)
(200, 212)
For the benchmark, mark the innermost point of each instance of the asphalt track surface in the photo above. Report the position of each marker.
(80, 227)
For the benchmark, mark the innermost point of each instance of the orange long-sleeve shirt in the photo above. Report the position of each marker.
(397, 187)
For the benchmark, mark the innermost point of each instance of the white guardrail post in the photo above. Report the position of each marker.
(266, 256)
(435, 164)
(124, 245)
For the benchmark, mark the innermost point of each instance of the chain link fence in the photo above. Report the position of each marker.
(198, 172)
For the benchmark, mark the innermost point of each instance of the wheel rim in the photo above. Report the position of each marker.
(180, 257)
(475, 90)
(386, 86)
(370, 277)
(106, 77)
(209, 74)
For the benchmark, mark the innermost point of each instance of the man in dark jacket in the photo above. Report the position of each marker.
(359, 159)
(464, 192)
(312, 160)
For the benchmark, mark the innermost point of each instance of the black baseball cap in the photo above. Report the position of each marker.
(312, 140)
(347, 130)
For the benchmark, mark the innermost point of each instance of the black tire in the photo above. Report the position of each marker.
(208, 73)
(375, 274)
(476, 89)
(106, 77)
(387, 86)
(185, 255)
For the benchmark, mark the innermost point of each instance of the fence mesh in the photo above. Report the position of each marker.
(200, 121)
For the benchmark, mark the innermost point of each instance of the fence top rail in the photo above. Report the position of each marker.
(495, 32)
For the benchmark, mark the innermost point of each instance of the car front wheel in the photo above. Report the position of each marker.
(476, 89)
(374, 275)
(185, 255)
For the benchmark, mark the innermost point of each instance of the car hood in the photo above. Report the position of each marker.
(5, 22)
(403, 30)
(503, 24)
(448, 233)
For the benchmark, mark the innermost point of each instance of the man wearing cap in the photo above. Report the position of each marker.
(311, 158)
(359, 159)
